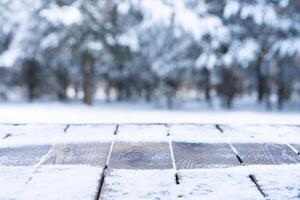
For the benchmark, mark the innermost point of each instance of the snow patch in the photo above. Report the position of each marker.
(66, 15)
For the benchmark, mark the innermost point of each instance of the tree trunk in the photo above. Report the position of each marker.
(260, 82)
(88, 83)
(62, 78)
(207, 85)
(169, 102)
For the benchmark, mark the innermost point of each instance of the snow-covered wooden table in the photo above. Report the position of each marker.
(154, 161)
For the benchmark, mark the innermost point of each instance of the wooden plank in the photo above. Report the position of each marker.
(93, 154)
(22, 156)
(256, 153)
(140, 156)
(203, 155)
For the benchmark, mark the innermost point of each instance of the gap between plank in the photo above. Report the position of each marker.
(177, 180)
(66, 128)
(116, 130)
(37, 167)
(219, 128)
(101, 183)
(254, 180)
(102, 178)
(293, 148)
(237, 154)
(7, 135)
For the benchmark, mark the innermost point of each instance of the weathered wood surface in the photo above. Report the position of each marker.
(93, 154)
(22, 156)
(202, 155)
(257, 153)
(140, 156)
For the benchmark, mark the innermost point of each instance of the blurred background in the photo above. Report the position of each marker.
(151, 54)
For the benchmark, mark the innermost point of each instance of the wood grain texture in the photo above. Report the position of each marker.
(140, 156)
(256, 153)
(22, 156)
(93, 154)
(203, 155)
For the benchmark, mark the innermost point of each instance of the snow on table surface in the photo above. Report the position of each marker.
(90, 132)
(261, 133)
(195, 133)
(36, 134)
(230, 183)
(138, 184)
(81, 182)
(282, 182)
(51, 182)
(135, 132)
(63, 182)
(31, 134)
(13, 180)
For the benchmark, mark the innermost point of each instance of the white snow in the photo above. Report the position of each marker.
(155, 11)
(90, 133)
(66, 182)
(260, 133)
(247, 51)
(13, 180)
(51, 40)
(231, 8)
(129, 113)
(279, 182)
(217, 184)
(149, 133)
(8, 58)
(37, 134)
(195, 133)
(138, 184)
(81, 182)
(288, 47)
(66, 15)
(33, 134)
(260, 13)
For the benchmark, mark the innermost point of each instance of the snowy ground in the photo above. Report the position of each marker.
(139, 113)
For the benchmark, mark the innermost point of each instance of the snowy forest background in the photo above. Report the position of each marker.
(151, 50)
